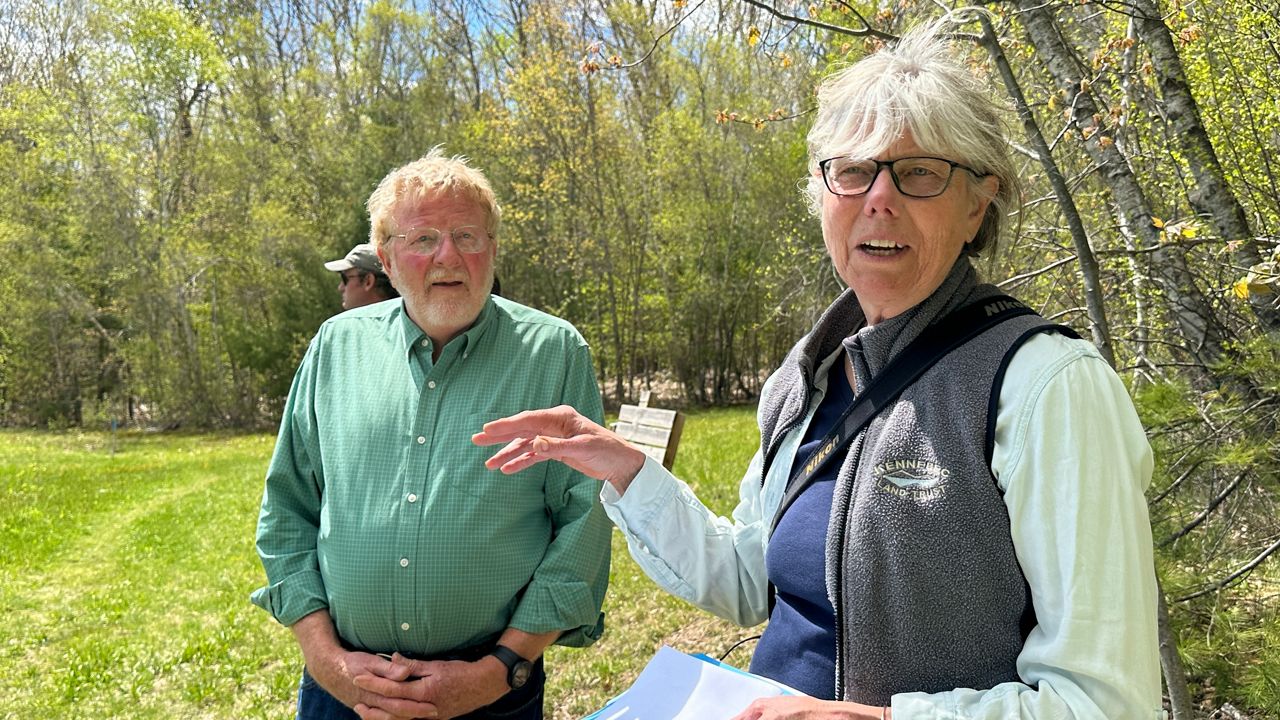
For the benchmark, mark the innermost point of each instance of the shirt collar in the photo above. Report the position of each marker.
(412, 335)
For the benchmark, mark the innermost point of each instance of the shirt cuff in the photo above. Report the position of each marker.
(569, 606)
(919, 706)
(646, 497)
(293, 598)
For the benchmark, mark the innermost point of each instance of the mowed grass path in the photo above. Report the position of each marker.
(126, 564)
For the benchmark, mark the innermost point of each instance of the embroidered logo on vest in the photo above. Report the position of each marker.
(907, 478)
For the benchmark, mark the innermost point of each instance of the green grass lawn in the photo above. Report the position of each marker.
(126, 566)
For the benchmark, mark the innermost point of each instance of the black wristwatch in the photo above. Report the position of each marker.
(518, 669)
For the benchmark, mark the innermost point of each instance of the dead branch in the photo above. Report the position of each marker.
(1176, 483)
(865, 31)
(1233, 577)
(1017, 280)
(1204, 514)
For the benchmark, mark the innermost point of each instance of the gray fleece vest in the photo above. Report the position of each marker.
(920, 564)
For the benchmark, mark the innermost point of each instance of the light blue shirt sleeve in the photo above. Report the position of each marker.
(711, 561)
(1074, 462)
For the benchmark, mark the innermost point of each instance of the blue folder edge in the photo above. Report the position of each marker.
(705, 658)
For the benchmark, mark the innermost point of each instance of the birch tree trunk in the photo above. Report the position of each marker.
(1101, 330)
(1211, 196)
(1140, 340)
(1188, 305)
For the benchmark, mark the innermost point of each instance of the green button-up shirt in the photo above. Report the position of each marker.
(379, 507)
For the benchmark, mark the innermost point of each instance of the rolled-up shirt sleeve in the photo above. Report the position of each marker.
(289, 520)
(567, 590)
(1074, 463)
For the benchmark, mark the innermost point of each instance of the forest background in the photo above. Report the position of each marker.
(175, 173)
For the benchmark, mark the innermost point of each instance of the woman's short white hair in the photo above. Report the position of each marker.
(918, 86)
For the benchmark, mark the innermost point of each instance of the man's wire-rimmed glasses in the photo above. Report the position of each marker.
(917, 177)
(426, 240)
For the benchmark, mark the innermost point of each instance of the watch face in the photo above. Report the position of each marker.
(520, 674)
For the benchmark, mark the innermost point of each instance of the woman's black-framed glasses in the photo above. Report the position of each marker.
(917, 177)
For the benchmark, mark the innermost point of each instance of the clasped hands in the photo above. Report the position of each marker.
(446, 689)
(398, 688)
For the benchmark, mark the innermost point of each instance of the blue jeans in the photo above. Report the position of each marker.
(314, 703)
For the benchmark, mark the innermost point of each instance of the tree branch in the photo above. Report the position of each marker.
(866, 31)
(1176, 483)
(1204, 514)
(1017, 280)
(1068, 311)
(1238, 574)
(658, 40)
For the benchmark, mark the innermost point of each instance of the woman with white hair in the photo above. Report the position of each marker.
(979, 547)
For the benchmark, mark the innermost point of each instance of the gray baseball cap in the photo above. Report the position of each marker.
(362, 257)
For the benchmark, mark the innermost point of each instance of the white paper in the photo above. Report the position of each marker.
(676, 686)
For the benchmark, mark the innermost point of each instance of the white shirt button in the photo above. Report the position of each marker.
(404, 626)
(421, 439)
(425, 343)
(412, 498)
(464, 355)
(404, 562)
(431, 384)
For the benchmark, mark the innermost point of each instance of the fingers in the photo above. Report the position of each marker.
(403, 668)
(367, 712)
(560, 434)
(527, 452)
(757, 710)
(513, 450)
(390, 669)
(393, 699)
(485, 437)
(409, 709)
(521, 462)
(386, 686)
(552, 421)
(584, 453)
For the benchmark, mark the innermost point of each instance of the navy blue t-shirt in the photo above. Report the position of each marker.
(799, 644)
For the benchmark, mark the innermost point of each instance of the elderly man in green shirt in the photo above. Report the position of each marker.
(418, 583)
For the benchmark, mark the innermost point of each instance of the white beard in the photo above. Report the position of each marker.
(447, 309)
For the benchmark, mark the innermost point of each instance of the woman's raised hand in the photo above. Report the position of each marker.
(563, 434)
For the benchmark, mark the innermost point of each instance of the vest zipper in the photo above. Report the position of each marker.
(841, 525)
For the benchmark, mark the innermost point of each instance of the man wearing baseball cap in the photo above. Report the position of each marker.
(363, 281)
